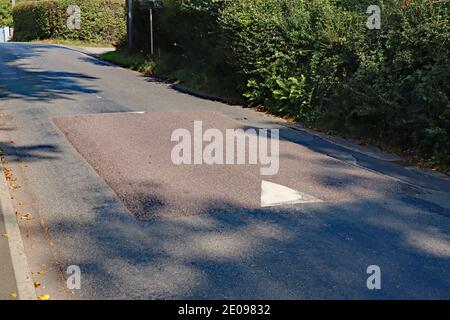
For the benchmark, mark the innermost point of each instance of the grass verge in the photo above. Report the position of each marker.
(75, 43)
(137, 62)
(167, 68)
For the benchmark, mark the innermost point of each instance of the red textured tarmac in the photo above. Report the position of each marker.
(132, 153)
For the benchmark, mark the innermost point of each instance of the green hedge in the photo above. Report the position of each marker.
(190, 45)
(316, 61)
(102, 21)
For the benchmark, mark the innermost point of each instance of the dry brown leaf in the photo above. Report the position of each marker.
(26, 217)
(8, 173)
(14, 185)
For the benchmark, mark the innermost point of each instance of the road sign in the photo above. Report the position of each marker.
(150, 4)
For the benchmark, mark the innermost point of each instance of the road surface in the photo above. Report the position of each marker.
(86, 143)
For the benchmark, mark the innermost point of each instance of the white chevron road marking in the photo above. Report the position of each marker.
(273, 194)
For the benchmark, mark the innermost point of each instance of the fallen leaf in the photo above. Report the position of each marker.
(13, 295)
(5, 235)
(26, 217)
(37, 284)
(14, 185)
(43, 297)
(8, 173)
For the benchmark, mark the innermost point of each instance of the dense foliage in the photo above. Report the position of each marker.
(190, 44)
(102, 21)
(316, 61)
(5, 13)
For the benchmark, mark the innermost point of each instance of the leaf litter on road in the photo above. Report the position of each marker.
(26, 217)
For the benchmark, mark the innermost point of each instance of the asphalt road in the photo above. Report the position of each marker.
(80, 167)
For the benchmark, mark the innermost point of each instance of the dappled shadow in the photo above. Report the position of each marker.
(332, 173)
(29, 153)
(302, 252)
(309, 251)
(98, 62)
(305, 251)
(347, 157)
(317, 144)
(20, 80)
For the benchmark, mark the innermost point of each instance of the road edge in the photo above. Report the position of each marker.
(25, 287)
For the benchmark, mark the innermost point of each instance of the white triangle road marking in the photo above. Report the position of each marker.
(273, 194)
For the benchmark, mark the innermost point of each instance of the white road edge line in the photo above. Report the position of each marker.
(273, 194)
(25, 286)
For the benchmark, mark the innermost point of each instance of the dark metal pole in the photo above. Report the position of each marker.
(130, 25)
(151, 32)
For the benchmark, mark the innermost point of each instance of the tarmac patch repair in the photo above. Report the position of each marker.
(132, 153)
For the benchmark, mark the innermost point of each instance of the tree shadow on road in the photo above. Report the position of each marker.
(20, 80)
(301, 252)
(29, 153)
(310, 251)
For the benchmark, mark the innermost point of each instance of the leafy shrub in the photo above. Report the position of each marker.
(275, 41)
(189, 44)
(315, 60)
(400, 90)
(5, 13)
(102, 21)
